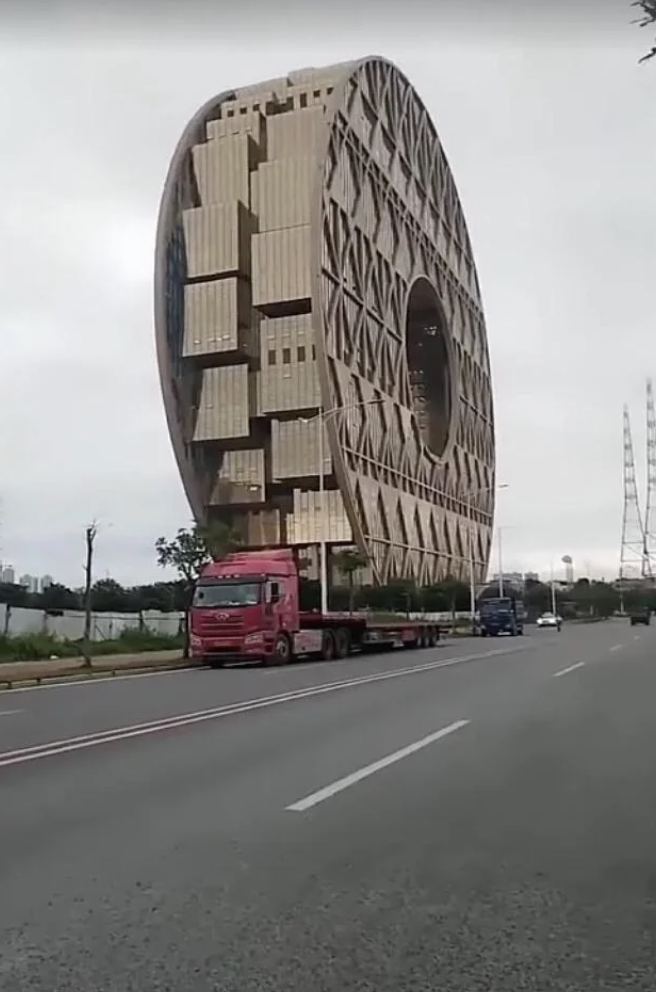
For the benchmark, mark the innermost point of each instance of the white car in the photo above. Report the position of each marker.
(550, 620)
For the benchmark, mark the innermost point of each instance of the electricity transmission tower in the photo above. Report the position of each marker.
(648, 549)
(632, 557)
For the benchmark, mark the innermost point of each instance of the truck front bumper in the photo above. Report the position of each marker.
(219, 650)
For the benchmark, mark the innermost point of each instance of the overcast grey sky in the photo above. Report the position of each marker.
(550, 129)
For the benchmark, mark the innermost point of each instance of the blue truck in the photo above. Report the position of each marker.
(501, 616)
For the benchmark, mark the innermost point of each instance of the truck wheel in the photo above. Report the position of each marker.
(342, 643)
(327, 646)
(282, 652)
(431, 639)
(215, 663)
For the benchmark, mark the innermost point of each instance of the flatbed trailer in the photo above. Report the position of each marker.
(337, 635)
(245, 609)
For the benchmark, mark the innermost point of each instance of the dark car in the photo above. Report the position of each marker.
(640, 616)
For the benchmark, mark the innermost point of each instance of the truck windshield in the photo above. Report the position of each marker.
(495, 606)
(227, 594)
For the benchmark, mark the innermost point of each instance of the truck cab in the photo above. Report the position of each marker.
(503, 615)
(245, 607)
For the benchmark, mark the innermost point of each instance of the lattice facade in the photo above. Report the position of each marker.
(312, 257)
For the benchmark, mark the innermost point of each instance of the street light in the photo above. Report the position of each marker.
(500, 530)
(468, 498)
(321, 419)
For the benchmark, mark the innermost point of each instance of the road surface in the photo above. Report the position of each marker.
(480, 817)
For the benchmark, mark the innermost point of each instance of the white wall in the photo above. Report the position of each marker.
(15, 621)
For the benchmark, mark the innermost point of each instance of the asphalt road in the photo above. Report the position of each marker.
(452, 819)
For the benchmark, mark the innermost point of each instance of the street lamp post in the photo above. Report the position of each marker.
(321, 419)
(469, 498)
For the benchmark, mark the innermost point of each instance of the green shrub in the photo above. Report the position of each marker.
(41, 647)
(34, 647)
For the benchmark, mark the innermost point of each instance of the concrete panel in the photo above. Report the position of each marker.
(251, 122)
(216, 240)
(223, 167)
(224, 408)
(218, 317)
(295, 134)
(240, 478)
(281, 193)
(281, 266)
(305, 523)
(263, 528)
(295, 449)
(289, 378)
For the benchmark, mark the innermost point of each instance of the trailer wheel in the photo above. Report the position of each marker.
(282, 652)
(342, 642)
(327, 646)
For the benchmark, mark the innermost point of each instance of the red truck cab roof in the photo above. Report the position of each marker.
(275, 561)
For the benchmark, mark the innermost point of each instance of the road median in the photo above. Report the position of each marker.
(18, 673)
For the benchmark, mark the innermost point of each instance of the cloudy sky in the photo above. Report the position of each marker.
(550, 128)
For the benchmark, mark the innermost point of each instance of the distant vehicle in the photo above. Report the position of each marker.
(642, 615)
(503, 615)
(550, 620)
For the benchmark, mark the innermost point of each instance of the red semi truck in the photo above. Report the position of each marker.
(246, 608)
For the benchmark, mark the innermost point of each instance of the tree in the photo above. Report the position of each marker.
(190, 550)
(109, 596)
(349, 562)
(648, 17)
(56, 597)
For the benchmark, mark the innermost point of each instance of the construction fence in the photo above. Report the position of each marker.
(16, 621)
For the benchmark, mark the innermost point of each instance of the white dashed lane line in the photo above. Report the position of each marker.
(571, 668)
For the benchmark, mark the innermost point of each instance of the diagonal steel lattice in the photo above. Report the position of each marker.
(373, 267)
(632, 554)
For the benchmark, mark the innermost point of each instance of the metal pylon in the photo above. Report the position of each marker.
(649, 549)
(632, 556)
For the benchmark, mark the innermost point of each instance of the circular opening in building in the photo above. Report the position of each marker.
(430, 366)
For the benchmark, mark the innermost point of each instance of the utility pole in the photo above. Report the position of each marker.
(90, 537)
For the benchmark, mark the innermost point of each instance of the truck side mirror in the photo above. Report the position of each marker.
(275, 593)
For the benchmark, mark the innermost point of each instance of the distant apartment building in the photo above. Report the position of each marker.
(7, 574)
(35, 583)
(516, 578)
(29, 582)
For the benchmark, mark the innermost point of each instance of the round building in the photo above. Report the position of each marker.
(320, 335)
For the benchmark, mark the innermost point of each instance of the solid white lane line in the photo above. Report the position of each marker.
(617, 647)
(572, 668)
(9, 712)
(345, 783)
(64, 746)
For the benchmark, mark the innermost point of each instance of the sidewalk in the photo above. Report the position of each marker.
(30, 671)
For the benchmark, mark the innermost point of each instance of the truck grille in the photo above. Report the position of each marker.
(213, 627)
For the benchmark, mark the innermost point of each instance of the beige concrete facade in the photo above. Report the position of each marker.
(312, 255)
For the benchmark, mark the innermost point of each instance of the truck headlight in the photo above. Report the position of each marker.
(251, 639)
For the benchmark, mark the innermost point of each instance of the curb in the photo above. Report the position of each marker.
(88, 675)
